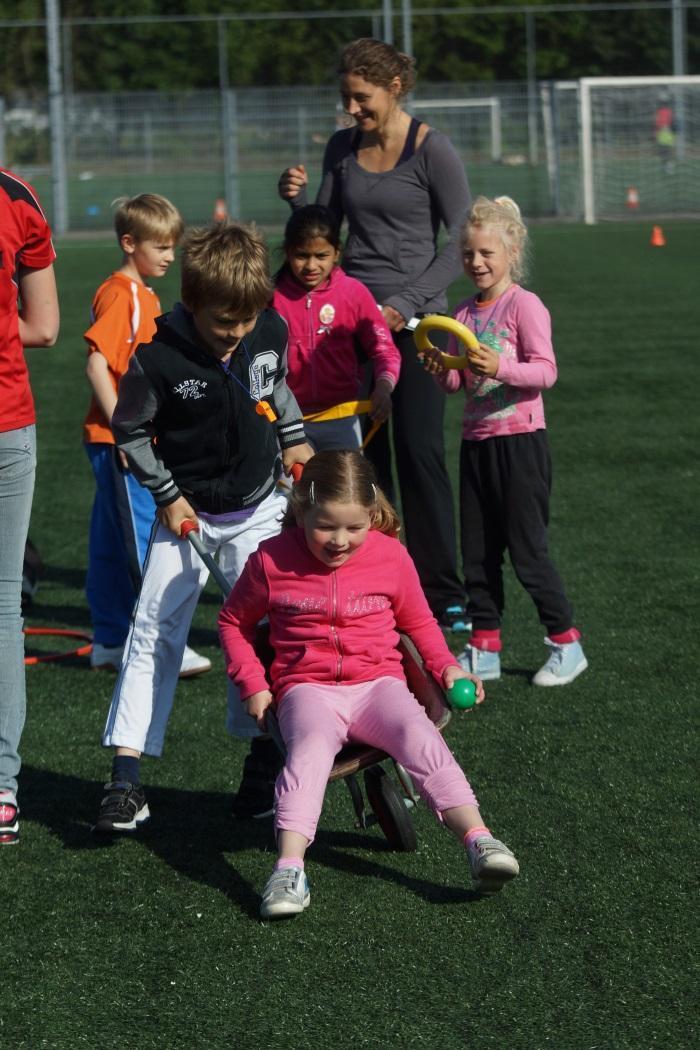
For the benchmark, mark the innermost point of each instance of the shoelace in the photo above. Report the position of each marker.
(484, 846)
(556, 657)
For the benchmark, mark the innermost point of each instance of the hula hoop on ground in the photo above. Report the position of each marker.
(445, 324)
(81, 650)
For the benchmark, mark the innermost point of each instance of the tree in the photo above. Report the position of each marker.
(176, 56)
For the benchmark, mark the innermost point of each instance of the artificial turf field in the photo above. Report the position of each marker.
(155, 941)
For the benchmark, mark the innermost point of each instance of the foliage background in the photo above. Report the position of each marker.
(466, 45)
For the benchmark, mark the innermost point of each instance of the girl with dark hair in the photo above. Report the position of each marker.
(331, 317)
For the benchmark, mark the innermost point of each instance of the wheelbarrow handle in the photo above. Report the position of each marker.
(190, 530)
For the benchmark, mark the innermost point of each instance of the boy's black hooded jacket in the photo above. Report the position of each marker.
(188, 425)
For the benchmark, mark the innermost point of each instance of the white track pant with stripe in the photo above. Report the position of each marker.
(173, 578)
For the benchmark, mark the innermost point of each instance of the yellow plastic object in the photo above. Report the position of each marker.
(347, 408)
(445, 324)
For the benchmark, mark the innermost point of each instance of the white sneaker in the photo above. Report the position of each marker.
(565, 662)
(286, 893)
(492, 864)
(485, 664)
(193, 663)
(106, 657)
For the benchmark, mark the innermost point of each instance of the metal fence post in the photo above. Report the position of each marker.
(407, 26)
(388, 20)
(59, 188)
(302, 134)
(531, 86)
(232, 189)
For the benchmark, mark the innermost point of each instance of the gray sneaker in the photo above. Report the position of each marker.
(565, 662)
(286, 893)
(492, 864)
(481, 662)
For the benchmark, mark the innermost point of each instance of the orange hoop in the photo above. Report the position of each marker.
(81, 650)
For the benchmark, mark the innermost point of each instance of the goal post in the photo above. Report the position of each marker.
(640, 133)
(490, 105)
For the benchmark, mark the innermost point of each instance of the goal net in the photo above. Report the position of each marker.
(472, 124)
(640, 146)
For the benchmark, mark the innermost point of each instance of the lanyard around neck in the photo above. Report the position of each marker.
(263, 408)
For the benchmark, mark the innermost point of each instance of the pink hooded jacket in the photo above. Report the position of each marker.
(328, 626)
(327, 326)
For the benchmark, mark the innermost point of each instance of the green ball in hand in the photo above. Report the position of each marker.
(462, 694)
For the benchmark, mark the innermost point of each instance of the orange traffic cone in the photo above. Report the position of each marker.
(657, 237)
(220, 210)
(632, 197)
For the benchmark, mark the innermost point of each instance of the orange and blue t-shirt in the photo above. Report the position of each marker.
(123, 314)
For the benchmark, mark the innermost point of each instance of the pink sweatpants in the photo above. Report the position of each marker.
(317, 721)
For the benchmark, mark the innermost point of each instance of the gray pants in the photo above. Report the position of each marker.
(17, 470)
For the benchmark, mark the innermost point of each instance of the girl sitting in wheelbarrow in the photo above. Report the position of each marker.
(338, 588)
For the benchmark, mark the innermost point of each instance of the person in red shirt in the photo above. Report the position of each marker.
(338, 588)
(665, 132)
(28, 317)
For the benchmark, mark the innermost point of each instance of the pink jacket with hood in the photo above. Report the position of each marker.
(326, 327)
(328, 626)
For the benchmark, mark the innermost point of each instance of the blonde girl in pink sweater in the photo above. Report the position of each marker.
(505, 466)
(338, 587)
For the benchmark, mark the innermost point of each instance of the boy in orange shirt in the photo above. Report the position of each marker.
(123, 316)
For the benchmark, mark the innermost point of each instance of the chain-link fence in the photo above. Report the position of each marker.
(201, 147)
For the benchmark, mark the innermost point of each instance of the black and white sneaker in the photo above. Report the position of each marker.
(123, 808)
(256, 792)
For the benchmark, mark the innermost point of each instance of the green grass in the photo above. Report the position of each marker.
(155, 941)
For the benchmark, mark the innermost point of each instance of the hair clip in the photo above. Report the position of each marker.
(312, 494)
(374, 490)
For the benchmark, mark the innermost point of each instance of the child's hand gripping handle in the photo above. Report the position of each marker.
(190, 530)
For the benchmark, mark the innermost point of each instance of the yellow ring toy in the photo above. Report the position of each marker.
(445, 324)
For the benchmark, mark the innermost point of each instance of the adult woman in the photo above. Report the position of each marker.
(26, 267)
(396, 180)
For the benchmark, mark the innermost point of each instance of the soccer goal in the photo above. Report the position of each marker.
(473, 124)
(640, 146)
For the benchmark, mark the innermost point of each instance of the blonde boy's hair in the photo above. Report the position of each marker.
(501, 214)
(344, 476)
(147, 217)
(226, 266)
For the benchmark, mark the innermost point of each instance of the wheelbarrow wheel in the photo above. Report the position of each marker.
(390, 810)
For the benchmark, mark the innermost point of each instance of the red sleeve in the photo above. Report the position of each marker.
(38, 251)
(245, 606)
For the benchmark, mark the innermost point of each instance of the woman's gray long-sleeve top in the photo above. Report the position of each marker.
(394, 219)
